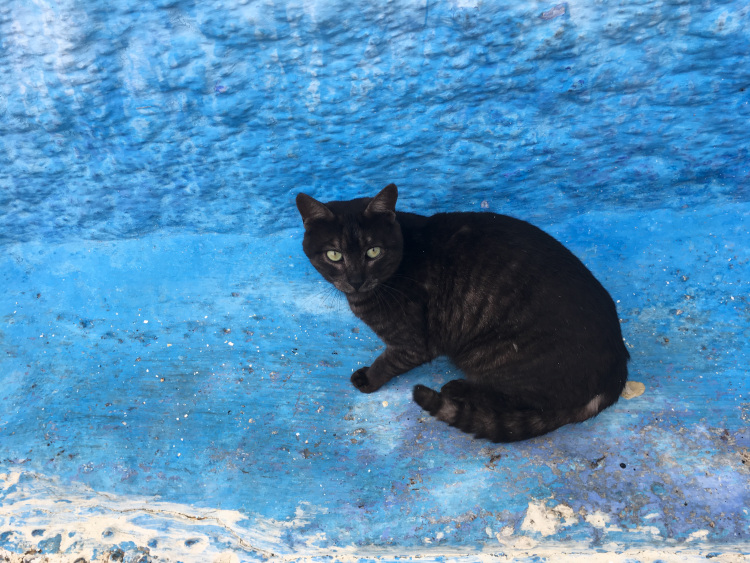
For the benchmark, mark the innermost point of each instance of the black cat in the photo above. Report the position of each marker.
(535, 333)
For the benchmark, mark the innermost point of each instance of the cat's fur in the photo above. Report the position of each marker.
(536, 335)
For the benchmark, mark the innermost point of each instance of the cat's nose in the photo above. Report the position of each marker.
(356, 284)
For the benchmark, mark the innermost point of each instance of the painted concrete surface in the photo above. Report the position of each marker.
(174, 376)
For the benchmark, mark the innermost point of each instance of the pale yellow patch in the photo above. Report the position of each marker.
(633, 389)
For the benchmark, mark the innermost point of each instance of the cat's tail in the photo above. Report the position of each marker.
(474, 411)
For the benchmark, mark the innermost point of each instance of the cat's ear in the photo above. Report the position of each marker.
(384, 203)
(311, 209)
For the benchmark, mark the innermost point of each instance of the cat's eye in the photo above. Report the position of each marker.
(374, 252)
(333, 255)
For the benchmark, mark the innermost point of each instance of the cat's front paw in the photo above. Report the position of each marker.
(362, 382)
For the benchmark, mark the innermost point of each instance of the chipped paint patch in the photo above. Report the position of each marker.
(600, 520)
(697, 535)
(7, 480)
(547, 521)
(88, 522)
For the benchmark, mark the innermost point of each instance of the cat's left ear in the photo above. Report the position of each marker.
(384, 203)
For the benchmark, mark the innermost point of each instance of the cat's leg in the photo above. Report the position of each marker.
(460, 404)
(448, 404)
(392, 362)
(455, 389)
(431, 401)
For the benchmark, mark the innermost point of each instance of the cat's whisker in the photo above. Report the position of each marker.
(335, 297)
(327, 297)
(378, 299)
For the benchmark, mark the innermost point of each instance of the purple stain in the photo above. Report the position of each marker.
(219, 88)
(577, 85)
(555, 11)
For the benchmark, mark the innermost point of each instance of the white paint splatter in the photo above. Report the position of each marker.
(600, 520)
(33, 502)
(547, 521)
(7, 480)
(698, 535)
(82, 516)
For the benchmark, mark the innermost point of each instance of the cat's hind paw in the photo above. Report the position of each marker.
(427, 398)
(362, 382)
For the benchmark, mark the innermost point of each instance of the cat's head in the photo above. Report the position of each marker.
(355, 244)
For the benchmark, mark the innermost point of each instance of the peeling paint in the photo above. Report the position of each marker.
(547, 521)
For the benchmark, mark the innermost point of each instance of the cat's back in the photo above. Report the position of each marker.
(475, 255)
(484, 239)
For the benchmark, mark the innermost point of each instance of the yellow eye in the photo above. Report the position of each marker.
(374, 252)
(333, 255)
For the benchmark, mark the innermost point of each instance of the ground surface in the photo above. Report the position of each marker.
(174, 375)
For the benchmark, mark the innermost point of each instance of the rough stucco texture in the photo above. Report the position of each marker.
(122, 118)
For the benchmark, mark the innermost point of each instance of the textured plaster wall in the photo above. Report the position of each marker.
(121, 118)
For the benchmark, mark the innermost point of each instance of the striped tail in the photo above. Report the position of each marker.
(477, 412)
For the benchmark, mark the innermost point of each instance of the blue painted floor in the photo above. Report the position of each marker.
(174, 375)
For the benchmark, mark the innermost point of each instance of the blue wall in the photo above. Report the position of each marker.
(174, 376)
(122, 118)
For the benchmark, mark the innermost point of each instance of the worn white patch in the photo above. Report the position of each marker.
(600, 520)
(506, 538)
(567, 514)
(698, 535)
(547, 521)
(652, 530)
(33, 502)
(81, 517)
(7, 480)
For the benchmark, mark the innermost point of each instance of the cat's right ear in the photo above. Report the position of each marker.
(311, 209)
